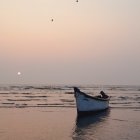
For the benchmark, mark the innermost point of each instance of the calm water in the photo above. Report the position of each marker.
(121, 121)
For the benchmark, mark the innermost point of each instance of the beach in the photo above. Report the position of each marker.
(36, 124)
(49, 113)
(48, 47)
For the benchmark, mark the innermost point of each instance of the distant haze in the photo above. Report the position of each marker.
(69, 42)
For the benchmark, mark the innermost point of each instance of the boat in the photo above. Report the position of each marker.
(87, 104)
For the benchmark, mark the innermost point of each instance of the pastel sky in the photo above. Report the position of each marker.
(88, 42)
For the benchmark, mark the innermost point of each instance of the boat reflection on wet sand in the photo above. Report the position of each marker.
(91, 126)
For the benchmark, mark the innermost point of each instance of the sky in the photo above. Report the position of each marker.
(88, 42)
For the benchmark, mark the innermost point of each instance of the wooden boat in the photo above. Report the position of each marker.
(87, 104)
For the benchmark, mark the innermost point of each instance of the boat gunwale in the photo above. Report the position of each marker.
(93, 97)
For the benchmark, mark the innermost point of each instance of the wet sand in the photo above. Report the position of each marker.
(49, 113)
(36, 124)
(62, 124)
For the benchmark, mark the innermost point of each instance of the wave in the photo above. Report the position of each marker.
(33, 95)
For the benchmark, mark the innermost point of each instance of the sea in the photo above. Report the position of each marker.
(48, 112)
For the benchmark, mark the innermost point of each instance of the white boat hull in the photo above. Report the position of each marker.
(86, 103)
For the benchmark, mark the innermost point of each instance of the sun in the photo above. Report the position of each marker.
(19, 73)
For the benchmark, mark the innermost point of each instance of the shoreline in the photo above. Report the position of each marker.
(62, 123)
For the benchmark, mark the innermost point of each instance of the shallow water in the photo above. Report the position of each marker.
(49, 112)
(62, 96)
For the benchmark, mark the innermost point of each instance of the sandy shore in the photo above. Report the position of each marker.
(62, 124)
(49, 113)
(36, 123)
